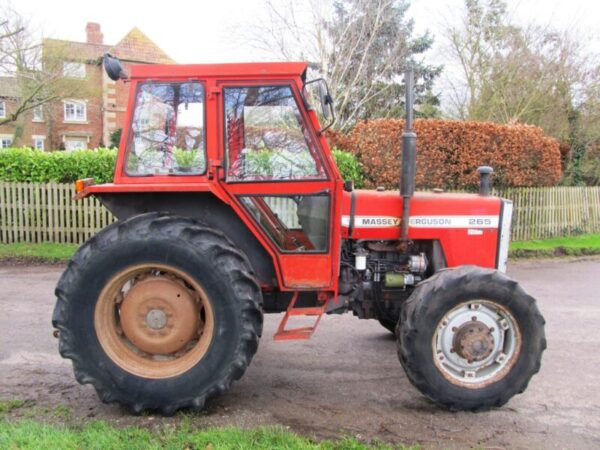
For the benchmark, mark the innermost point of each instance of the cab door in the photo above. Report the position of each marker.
(280, 180)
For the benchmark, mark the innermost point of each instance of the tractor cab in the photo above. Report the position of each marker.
(248, 135)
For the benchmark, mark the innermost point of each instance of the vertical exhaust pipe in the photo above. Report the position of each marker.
(409, 141)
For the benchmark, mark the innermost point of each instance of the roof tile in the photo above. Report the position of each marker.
(137, 47)
(77, 51)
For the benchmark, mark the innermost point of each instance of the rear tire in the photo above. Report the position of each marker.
(470, 338)
(184, 260)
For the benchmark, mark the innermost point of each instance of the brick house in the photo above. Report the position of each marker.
(97, 110)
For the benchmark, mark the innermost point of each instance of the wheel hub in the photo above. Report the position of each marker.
(156, 319)
(473, 341)
(159, 315)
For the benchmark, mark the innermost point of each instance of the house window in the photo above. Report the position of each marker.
(38, 114)
(38, 142)
(75, 111)
(74, 69)
(75, 144)
(2, 110)
(5, 141)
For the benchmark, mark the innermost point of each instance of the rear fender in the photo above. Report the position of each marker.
(204, 207)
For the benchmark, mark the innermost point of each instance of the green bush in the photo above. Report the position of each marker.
(590, 166)
(349, 167)
(23, 164)
(115, 138)
(278, 164)
(186, 158)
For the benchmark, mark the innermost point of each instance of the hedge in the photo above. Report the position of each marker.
(349, 166)
(448, 153)
(27, 165)
(23, 164)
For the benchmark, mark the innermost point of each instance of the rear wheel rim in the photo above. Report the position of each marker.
(154, 321)
(476, 343)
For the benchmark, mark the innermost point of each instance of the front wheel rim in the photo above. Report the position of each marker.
(476, 343)
(154, 321)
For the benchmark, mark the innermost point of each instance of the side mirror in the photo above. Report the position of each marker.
(326, 100)
(114, 68)
(316, 91)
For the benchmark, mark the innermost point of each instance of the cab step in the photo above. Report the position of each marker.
(301, 333)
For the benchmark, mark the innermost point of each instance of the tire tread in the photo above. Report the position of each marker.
(416, 305)
(212, 244)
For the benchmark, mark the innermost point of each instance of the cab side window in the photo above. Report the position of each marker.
(265, 137)
(167, 131)
(296, 223)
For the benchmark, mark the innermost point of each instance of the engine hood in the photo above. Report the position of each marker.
(378, 214)
(465, 223)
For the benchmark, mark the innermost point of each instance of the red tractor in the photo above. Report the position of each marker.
(230, 205)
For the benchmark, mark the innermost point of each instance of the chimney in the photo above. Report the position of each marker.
(94, 35)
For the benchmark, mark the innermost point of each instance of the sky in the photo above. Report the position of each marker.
(204, 31)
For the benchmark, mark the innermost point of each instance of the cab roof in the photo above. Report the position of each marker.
(229, 70)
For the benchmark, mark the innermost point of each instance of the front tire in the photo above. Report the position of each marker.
(158, 313)
(470, 338)
(389, 325)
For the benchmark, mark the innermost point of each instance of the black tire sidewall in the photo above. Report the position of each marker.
(177, 253)
(389, 325)
(429, 308)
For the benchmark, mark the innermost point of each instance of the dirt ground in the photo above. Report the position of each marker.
(346, 380)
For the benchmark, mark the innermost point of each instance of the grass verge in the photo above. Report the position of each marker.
(7, 406)
(101, 435)
(46, 252)
(585, 244)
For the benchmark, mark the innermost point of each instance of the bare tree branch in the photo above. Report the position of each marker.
(360, 46)
(32, 70)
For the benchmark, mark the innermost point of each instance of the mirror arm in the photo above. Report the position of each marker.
(333, 117)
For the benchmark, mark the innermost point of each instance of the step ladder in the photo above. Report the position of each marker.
(301, 333)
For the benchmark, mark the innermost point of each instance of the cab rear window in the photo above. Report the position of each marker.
(167, 134)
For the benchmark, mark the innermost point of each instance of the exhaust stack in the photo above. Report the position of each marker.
(409, 141)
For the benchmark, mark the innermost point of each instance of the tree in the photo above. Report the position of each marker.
(473, 42)
(37, 72)
(360, 46)
(525, 74)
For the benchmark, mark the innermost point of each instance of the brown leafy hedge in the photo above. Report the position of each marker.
(448, 152)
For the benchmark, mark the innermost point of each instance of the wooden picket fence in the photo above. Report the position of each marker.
(46, 212)
(546, 212)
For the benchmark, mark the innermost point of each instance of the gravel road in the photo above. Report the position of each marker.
(346, 380)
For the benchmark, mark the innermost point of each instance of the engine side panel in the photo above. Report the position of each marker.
(466, 225)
